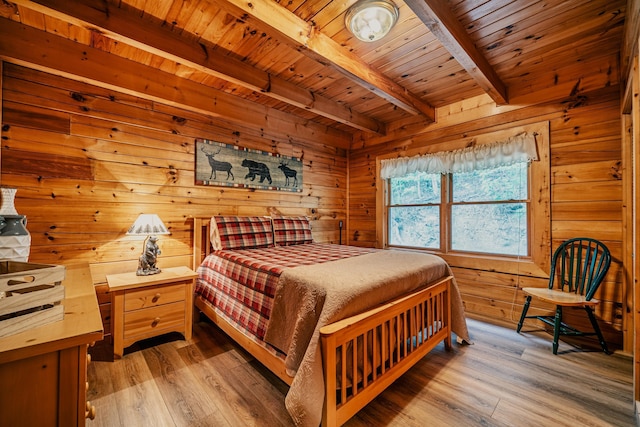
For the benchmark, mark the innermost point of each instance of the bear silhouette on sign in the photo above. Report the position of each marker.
(255, 168)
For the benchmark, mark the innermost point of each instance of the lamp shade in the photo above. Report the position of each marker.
(147, 224)
(370, 20)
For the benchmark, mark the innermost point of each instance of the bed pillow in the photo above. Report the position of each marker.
(241, 232)
(292, 230)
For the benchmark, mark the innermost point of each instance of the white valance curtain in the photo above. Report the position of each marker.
(520, 148)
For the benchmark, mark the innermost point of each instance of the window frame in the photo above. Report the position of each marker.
(539, 238)
(441, 212)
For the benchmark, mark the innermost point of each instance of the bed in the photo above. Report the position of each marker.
(337, 323)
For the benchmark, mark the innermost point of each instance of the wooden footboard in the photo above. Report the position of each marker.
(382, 343)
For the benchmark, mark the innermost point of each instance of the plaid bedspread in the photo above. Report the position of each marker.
(241, 283)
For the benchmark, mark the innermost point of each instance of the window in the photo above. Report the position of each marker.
(484, 211)
(474, 208)
(414, 210)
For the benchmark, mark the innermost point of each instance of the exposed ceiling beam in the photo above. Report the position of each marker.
(437, 16)
(306, 37)
(24, 45)
(150, 36)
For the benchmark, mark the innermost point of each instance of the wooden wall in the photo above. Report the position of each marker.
(87, 160)
(631, 130)
(586, 188)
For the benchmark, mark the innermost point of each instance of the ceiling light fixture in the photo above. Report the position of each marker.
(371, 20)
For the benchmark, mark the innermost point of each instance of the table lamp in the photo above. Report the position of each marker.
(149, 225)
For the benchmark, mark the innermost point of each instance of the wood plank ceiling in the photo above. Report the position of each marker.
(296, 55)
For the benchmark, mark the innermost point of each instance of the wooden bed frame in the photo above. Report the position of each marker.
(377, 337)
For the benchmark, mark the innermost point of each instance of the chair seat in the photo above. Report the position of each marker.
(567, 299)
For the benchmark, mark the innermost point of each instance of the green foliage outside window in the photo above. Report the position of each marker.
(487, 211)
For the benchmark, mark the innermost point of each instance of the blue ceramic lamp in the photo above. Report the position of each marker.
(15, 240)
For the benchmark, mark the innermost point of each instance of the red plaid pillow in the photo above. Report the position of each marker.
(292, 230)
(241, 232)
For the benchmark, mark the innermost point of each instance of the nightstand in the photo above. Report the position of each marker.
(148, 306)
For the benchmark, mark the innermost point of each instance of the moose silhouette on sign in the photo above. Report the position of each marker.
(289, 173)
(218, 166)
(256, 168)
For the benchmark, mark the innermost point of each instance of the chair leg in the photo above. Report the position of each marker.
(596, 328)
(525, 308)
(556, 328)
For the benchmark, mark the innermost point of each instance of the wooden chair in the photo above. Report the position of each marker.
(578, 267)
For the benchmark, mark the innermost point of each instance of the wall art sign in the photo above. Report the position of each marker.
(228, 165)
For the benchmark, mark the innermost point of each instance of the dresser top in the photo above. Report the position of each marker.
(82, 323)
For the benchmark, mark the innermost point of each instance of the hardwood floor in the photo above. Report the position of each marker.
(503, 379)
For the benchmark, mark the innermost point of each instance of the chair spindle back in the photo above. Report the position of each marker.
(579, 265)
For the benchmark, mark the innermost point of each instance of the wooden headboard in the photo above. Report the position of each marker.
(201, 239)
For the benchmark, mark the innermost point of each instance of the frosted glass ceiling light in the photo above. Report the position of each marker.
(371, 20)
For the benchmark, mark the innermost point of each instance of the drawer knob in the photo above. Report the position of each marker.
(90, 411)
(155, 298)
(155, 322)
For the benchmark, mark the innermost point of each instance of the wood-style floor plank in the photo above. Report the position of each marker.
(503, 379)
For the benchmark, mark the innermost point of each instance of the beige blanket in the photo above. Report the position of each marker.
(310, 297)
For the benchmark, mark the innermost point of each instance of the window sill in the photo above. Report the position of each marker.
(486, 262)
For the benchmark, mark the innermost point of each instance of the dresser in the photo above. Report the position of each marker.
(43, 371)
(148, 306)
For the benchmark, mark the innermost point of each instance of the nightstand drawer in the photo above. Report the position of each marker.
(155, 296)
(150, 322)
